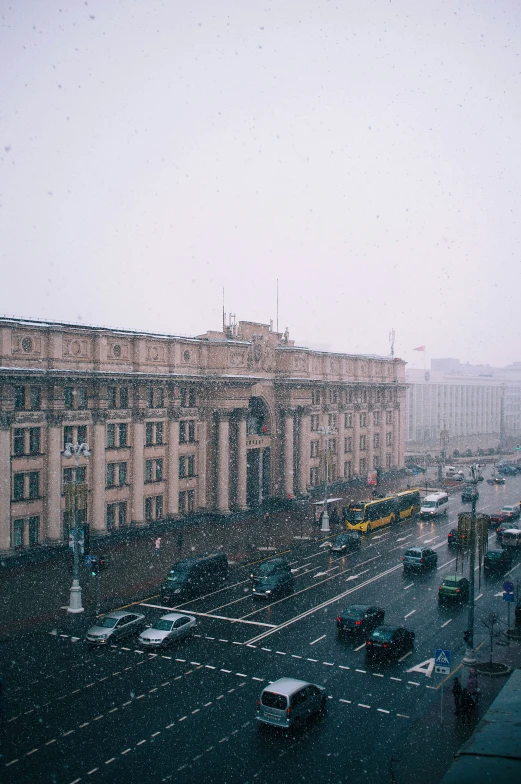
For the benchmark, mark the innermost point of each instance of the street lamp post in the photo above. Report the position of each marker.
(470, 658)
(326, 431)
(75, 603)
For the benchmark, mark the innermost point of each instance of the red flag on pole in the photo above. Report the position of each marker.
(420, 348)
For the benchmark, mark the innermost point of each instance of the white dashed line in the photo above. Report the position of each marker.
(50, 741)
(127, 703)
(361, 705)
(210, 667)
(140, 743)
(478, 597)
(28, 754)
(206, 704)
(125, 752)
(446, 623)
(183, 718)
(220, 640)
(226, 671)
(167, 657)
(92, 771)
(266, 649)
(150, 691)
(411, 613)
(343, 667)
(362, 671)
(360, 647)
(67, 733)
(377, 674)
(403, 716)
(413, 683)
(155, 734)
(258, 679)
(194, 711)
(181, 660)
(408, 586)
(241, 674)
(294, 656)
(395, 679)
(281, 653)
(85, 724)
(348, 702)
(313, 660)
(107, 762)
(328, 664)
(166, 683)
(381, 710)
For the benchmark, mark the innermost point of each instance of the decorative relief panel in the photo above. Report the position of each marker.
(26, 343)
(300, 363)
(79, 348)
(118, 350)
(237, 357)
(187, 356)
(155, 352)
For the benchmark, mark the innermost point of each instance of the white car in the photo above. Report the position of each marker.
(170, 627)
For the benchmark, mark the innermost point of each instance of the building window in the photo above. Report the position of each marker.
(123, 431)
(82, 397)
(376, 462)
(111, 397)
(363, 420)
(331, 420)
(388, 417)
(348, 444)
(154, 506)
(315, 397)
(18, 533)
(388, 461)
(68, 397)
(313, 476)
(182, 467)
(153, 470)
(314, 422)
(363, 443)
(363, 465)
(122, 513)
(122, 474)
(347, 469)
(363, 396)
(187, 431)
(149, 434)
(148, 508)
(34, 530)
(332, 473)
(314, 446)
(388, 439)
(82, 434)
(187, 397)
(18, 487)
(333, 396)
(150, 397)
(153, 433)
(159, 470)
(331, 445)
(123, 397)
(111, 514)
(111, 474)
(18, 443)
(111, 436)
(19, 399)
(35, 398)
(376, 418)
(159, 507)
(190, 465)
(348, 420)
(34, 484)
(159, 432)
(68, 435)
(376, 440)
(34, 440)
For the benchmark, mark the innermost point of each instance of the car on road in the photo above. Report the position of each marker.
(288, 702)
(510, 511)
(347, 542)
(453, 589)
(273, 586)
(167, 629)
(115, 626)
(468, 494)
(497, 561)
(507, 469)
(506, 525)
(495, 518)
(360, 618)
(496, 480)
(454, 538)
(269, 568)
(418, 559)
(418, 468)
(389, 642)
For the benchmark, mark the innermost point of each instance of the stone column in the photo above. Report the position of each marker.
(288, 452)
(138, 468)
(356, 441)
(396, 435)
(370, 432)
(303, 446)
(241, 415)
(173, 463)
(53, 529)
(202, 441)
(223, 461)
(98, 515)
(6, 420)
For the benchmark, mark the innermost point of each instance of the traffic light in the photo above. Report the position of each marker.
(466, 636)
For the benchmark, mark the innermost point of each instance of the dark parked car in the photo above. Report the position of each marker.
(496, 480)
(506, 525)
(274, 586)
(389, 642)
(454, 538)
(468, 494)
(454, 588)
(346, 543)
(360, 618)
(417, 559)
(497, 561)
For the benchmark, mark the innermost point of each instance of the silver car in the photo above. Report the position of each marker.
(170, 627)
(114, 626)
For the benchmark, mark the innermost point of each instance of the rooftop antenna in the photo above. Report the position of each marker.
(391, 340)
(277, 305)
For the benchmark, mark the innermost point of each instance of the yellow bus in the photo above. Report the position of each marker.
(365, 516)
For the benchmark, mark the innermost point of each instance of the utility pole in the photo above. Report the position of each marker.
(326, 431)
(470, 658)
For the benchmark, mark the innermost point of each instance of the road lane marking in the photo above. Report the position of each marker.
(364, 672)
(348, 702)
(360, 647)
(381, 710)
(411, 613)
(313, 660)
(361, 705)
(107, 762)
(283, 653)
(141, 742)
(478, 597)
(328, 664)
(395, 679)
(92, 771)
(317, 640)
(409, 653)
(446, 623)
(126, 751)
(408, 586)
(343, 667)
(413, 683)
(50, 741)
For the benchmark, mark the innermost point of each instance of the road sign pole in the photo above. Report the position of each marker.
(441, 704)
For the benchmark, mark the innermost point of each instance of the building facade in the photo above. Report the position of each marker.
(453, 410)
(180, 425)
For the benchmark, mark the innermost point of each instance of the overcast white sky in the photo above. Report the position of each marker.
(365, 153)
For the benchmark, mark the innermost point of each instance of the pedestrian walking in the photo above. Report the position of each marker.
(457, 688)
(158, 545)
(472, 683)
(467, 706)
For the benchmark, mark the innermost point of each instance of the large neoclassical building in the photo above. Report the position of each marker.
(178, 425)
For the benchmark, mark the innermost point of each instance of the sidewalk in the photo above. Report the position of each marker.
(429, 747)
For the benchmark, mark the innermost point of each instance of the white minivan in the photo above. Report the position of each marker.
(511, 538)
(434, 505)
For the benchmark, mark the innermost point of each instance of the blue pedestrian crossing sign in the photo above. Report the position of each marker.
(442, 661)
